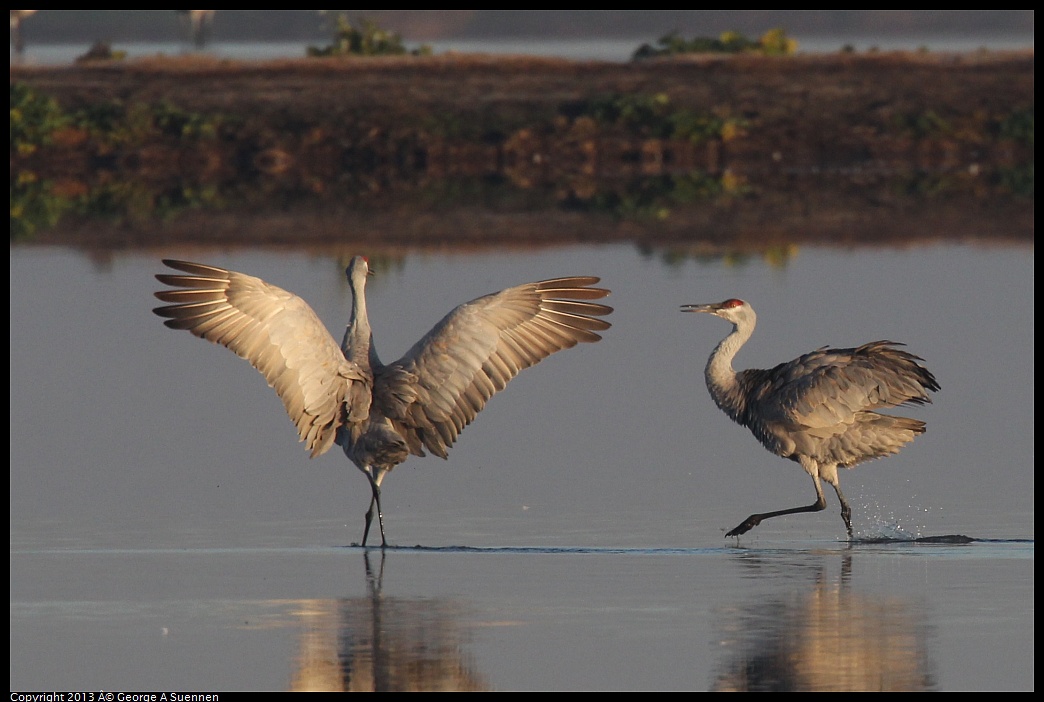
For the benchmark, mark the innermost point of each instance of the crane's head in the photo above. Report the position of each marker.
(733, 310)
(357, 270)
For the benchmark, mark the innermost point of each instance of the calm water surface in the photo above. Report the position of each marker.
(167, 531)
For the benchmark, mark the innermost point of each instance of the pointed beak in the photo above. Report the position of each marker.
(699, 308)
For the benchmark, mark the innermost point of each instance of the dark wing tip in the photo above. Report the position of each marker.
(177, 264)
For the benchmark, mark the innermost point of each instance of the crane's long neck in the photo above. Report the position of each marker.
(358, 337)
(721, 378)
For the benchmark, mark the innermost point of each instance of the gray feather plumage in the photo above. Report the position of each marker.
(819, 410)
(822, 403)
(380, 414)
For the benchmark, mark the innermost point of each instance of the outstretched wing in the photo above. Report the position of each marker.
(281, 337)
(438, 387)
(829, 386)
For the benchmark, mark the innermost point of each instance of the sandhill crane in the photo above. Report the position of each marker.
(380, 414)
(817, 410)
(17, 18)
(200, 22)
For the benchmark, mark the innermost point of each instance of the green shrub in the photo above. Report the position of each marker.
(101, 51)
(772, 43)
(365, 40)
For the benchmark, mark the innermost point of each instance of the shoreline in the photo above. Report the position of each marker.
(463, 149)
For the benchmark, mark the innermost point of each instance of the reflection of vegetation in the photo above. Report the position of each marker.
(366, 39)
(38, 124)
(922, 125)
(37, 119)
(775, 256)
(635, 156)
(37, 204)
(772, 43)
(976, 128)
(651, 197)
(977, 131)
(133, 201)
(485, 126)
(653, 116)
(170, 120)
(1017, 180)
(1018, 127)
(34, 206)
(34, 119)
(114, 123)
(494, 193)
(630, 155)
(925, 185)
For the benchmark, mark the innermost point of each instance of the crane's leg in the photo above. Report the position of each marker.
(375, 500)
(846, 511)
(755, 519)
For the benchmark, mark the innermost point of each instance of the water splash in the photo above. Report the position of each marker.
(884, 525)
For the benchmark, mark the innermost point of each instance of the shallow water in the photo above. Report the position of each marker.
(167, 532)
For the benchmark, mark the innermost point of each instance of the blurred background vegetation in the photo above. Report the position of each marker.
(71, 26)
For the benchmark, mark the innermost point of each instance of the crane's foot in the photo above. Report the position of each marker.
(748, 524)
(846, 514)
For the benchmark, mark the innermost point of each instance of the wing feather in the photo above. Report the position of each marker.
(478, 347)
(831, 386)
(279, 334)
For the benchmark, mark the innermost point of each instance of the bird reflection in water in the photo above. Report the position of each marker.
(378, 644)
(828, 639)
